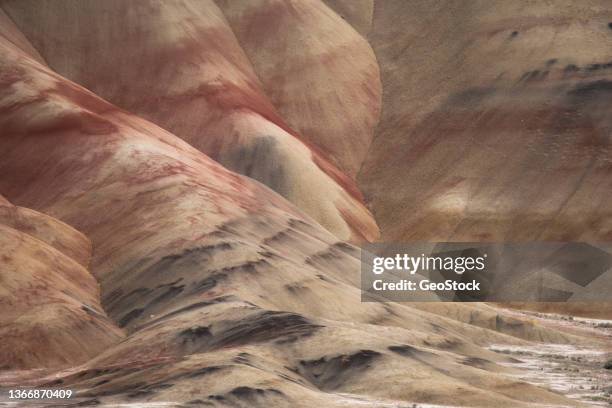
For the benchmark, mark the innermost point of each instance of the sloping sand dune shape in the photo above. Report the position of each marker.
(180, 222)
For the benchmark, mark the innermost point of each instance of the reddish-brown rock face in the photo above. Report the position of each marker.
(218, 289)
(215, 100)
(300, 51)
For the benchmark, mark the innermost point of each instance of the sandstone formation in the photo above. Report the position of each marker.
(51, 314)
(494, 123)
(50, 231)
(320, 74)
(213, 99)
(220, 290)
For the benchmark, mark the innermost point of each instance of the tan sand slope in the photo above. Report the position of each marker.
(51, 314)
(494, 123)
(49, 230)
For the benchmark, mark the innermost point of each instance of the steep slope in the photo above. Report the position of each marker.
(495, 123)
(300, 50)
(49, 230)
(179, 65)
(228, 293)
(51, 314)
(16, 37)
(358, 13)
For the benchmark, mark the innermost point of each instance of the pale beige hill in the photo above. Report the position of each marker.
(229, 295)
(494, 123)
(51, 314)
(179, 65)
(49, 230)
(318, 71)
